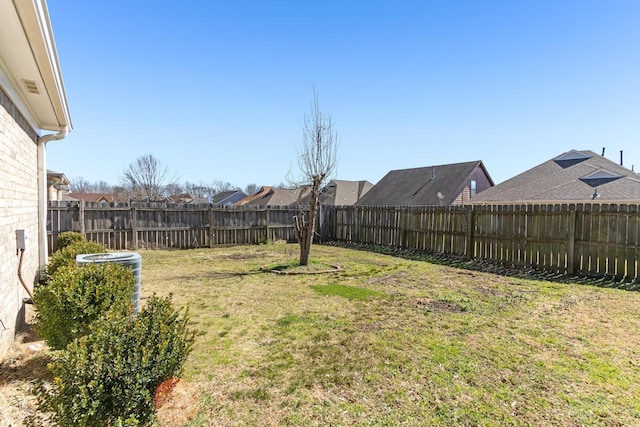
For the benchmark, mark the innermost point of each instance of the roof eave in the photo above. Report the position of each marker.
(31, 58)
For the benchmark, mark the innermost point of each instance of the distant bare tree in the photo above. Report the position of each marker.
(196, 190)
(251, 189)
(174, 189)
(317, 161)
(222, 186)
(147, 178)
(121, 194)
(103, 187)
(80, 185)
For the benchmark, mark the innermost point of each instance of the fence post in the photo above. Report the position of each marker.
(571, 239)
(266, 224)
(81, 215)
(470, 232)
(210, 228)
(134, 228)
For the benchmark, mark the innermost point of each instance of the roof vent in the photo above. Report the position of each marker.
(571, 158)
(599, 177)
(31, 86)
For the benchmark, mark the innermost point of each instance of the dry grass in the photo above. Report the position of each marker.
(26, 361)
(389, 341)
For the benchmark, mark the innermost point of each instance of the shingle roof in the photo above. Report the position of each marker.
(574, 176)
(340, 192)
(262, 192)
(228, 197)
(92, 197)
(270, 196)
(420, 186)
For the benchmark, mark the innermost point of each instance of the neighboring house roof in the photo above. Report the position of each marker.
(432, 185)
(260, 193)
(199, 201)
(183, 198)
(92, 197)
(228, 197)
(56, 178)
(57, 185)
(29, 69)
(271, 196)
(340, 192)
(574, 176)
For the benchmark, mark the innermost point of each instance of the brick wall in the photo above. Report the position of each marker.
(18, 210)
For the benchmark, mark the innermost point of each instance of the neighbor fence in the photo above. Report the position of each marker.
(585, 239)
(121, 226)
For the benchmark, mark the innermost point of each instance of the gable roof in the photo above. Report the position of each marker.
(262, 192)
(421, 186)
(92, 197)
(56, 178)
(339, 192)
(574, 176)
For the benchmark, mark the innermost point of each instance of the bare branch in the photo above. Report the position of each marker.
(317, 159)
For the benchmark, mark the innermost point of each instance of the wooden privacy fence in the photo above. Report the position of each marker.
(585, 239)
(158, 225)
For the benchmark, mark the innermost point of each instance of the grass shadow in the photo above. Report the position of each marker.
(522, 272)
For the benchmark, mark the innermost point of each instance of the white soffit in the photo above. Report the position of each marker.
(29, 69)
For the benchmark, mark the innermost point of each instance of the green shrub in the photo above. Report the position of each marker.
(75, 297)
(109, 377)
(68, 238)
(67, 255)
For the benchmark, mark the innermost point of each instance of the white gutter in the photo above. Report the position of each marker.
(42, 192)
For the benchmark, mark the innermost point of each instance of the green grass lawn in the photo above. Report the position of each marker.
(390, 341)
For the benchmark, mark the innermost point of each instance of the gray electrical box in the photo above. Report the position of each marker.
(21, 240)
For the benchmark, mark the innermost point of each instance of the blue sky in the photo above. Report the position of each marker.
(217, 90)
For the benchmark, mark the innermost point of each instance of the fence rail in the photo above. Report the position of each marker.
(585, 239)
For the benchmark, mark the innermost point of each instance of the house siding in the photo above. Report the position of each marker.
(482, 183)
(18, 210)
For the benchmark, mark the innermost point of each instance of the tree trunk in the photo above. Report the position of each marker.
(305, 227)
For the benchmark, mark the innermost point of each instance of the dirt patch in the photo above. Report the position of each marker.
(177, 402)
(304, 269)
(439, 306)
(239, 256)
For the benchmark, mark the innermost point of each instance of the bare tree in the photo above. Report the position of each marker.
(222, 186)
(317, 161)
(80, 185)
(174, 189)
(147, 178)
(103, 187)
(251, 189)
